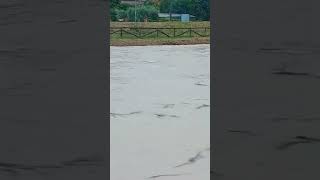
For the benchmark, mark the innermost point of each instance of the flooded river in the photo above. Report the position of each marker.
(160, 112)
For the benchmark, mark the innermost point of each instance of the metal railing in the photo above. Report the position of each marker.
(144, 32)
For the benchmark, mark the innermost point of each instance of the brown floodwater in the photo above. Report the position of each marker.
(160, 112)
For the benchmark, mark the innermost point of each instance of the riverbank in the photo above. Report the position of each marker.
(164, 41)
(166, 24)
(161, 40)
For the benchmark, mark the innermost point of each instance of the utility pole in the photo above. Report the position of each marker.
(170, 10)
(135, 12)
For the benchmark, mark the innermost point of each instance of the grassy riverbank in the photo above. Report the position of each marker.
(116, 40)
(166, 24)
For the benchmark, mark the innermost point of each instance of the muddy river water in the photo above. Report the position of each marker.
(160, 112)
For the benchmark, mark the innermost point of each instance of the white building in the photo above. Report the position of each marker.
(133, 2)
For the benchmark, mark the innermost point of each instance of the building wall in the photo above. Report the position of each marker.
(132, 2)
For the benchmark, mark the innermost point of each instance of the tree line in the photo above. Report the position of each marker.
(150, 9)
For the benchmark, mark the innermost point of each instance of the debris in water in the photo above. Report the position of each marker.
(163, 175)
(203, 106)
(118, 114)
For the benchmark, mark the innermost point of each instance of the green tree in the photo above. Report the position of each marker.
(124, 6)
(201, 9)
(155, 3)
(142, 12)
(181, 6)
(164, 6)
(113, 14)
(114, 3)
(121, 14)
(198, 8)
(118, 10)
(176, 6)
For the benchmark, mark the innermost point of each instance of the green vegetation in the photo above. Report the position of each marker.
(160, 39)
(198, 8)
(167, 24)
(150, 9)
(129, 32)
(143, 12)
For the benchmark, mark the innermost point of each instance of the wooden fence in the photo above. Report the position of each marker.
(142, 32)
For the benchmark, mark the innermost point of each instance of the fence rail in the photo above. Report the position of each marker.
(146, 32)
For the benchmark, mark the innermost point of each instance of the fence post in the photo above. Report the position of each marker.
(190, 32)
(121, 32)
(174, 32)
(157, 32)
